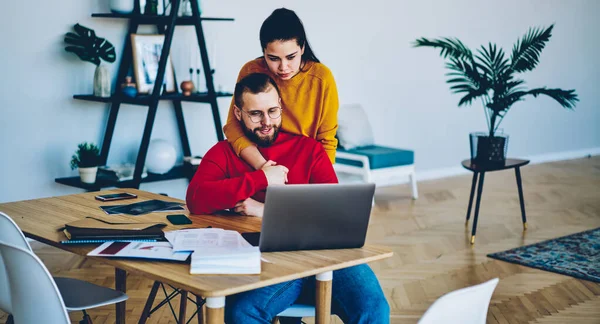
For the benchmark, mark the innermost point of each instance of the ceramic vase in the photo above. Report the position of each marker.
(101, 82)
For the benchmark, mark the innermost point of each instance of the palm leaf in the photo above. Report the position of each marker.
(566, 98)
(526, 52)
(88, 47)
(447, 46)
(466, 79)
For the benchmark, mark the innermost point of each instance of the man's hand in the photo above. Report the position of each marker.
(276, 174)
(250, 207)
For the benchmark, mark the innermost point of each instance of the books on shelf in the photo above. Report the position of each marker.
(93, 230)
(143, 250)
(193, 160)
(119, 172)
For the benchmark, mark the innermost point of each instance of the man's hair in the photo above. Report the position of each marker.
(254, 83)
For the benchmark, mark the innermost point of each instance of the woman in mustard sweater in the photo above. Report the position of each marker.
(308, 91)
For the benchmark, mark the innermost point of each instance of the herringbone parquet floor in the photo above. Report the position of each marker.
(432, 251)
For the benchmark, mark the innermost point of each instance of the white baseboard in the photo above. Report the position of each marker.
(535, 159)
(562, 156)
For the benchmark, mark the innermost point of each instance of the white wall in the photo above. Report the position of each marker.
(367, 45)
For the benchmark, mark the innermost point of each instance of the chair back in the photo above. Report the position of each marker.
(466, 305)
(10, 234)
(33, 294)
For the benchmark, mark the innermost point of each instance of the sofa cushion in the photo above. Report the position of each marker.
(379, 156)
(354, 129)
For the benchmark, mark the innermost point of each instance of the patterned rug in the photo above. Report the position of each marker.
(576, 255)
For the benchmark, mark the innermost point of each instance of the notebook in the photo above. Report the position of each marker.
(92, 230)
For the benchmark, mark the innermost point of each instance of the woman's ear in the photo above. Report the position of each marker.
(237, 112)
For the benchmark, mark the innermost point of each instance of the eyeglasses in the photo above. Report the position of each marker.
(256, 116)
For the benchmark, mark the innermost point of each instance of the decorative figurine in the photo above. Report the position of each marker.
(128, 88)
(187, 87)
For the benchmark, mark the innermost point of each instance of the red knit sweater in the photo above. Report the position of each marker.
(223, 178)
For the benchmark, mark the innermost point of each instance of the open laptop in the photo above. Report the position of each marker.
(315, 216)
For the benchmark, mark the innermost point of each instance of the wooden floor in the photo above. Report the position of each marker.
(432, 251)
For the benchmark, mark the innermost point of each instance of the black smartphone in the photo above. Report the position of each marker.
(117, 196)
(179, 219)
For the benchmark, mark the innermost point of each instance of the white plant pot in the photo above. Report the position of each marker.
(88, 175)
(101, 82)
(121, 6)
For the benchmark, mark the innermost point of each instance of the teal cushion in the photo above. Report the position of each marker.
(379, 156)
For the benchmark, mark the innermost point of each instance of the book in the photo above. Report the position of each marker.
(120, 172)
(91, 228)
(142, 250)
(216, 251)
(241, 260)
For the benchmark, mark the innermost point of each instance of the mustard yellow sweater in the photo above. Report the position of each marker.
(310, 106)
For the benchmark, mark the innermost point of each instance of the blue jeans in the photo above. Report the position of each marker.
(356, 297)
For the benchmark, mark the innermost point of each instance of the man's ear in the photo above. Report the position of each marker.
(237, 112)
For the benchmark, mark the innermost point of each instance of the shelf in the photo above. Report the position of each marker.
(144, 100)
(178, 172)
(156, 19)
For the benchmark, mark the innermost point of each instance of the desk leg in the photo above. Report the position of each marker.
(182, 306)
(521, 200)
(479, 190)
(120, 285)
(323, 297)
(473, 185)
(215, 310)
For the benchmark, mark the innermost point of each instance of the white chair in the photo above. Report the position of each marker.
(357, 153)
(298, 310)
(34, 297)
(466, 305)
(78, 295)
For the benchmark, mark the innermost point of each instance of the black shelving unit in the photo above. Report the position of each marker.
(165, 24)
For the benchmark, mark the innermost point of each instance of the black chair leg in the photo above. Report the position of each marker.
(521, 200)
(86, 318)
(479, 190)
(473, 185)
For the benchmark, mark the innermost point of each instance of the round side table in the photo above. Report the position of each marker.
(479, 171)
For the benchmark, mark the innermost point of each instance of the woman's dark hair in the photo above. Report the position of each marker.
(254, 83)
(284, 25)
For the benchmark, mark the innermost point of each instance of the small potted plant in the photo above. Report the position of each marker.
(492, 77)
(91, 48)
(86, 158)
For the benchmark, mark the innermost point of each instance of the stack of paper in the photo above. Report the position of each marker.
(154, 250)
(216, 251)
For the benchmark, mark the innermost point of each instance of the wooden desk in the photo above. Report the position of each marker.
(41, 219)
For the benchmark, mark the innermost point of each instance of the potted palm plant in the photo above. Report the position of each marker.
(91, 48)
(492, 77)
(86, 158)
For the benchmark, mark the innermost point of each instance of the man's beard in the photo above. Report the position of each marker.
(261, 141)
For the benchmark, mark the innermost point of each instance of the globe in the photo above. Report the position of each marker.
(161, 156)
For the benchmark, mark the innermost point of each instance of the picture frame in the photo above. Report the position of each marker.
(147, 49)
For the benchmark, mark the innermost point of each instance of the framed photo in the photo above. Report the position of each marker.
(146, 55)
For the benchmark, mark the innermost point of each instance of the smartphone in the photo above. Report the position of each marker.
(117, 196)
(179, 219)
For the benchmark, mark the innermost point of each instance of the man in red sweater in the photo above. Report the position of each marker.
(225, 181)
